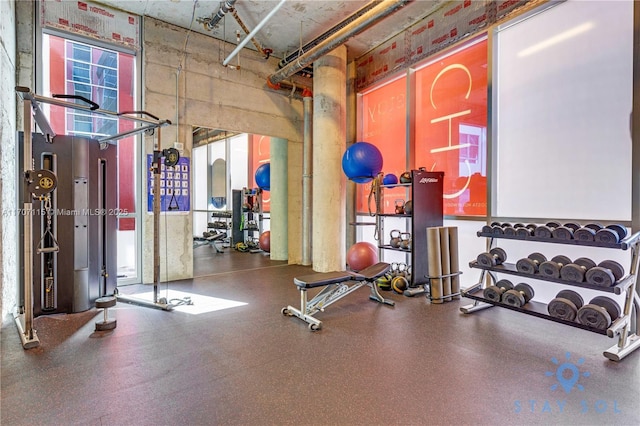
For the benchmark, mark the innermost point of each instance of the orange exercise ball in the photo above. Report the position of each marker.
(362, 255)
(265, 241)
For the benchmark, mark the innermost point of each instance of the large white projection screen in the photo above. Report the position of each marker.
(562, 85)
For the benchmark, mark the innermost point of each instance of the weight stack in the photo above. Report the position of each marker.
(443, 264)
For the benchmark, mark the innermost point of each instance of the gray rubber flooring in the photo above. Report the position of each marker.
(413, 364)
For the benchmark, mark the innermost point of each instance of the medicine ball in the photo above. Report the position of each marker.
(405, 177)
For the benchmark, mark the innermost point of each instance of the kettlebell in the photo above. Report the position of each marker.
(395, 238)
(405, 242)
(402, 269)
(405, 177)
(408, 207)
(399, 284)
(399, 206)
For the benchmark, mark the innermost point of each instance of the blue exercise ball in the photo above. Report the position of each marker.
(263, 177)
(362, 162)
(390, 179)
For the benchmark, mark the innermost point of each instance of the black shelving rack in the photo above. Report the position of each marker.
(625, 327)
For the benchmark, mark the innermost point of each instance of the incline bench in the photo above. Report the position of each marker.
(336, 286)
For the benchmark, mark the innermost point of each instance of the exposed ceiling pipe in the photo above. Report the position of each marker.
(210, 23)
(252, 33)
(381, 11)
(256, 43)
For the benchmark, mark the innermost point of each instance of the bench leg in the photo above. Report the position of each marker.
(302, 313)
(376, 296)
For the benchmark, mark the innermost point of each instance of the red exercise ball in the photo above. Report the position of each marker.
(265, 241)
(362, 255)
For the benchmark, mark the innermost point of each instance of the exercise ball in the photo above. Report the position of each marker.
(362, 162)
(390, 179)
(263, 176)
(362, 255)
(264, 242)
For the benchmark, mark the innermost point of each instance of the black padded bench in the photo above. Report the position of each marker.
(336, 285)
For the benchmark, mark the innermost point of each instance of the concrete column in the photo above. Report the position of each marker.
(329, 143)
(279, 195)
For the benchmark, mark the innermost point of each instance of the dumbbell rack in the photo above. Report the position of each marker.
(624, 327)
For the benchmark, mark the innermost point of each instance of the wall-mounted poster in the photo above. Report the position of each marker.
(175, 192)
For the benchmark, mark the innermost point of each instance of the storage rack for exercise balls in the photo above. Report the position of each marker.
(32, 110)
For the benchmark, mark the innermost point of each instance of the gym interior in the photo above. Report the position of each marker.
(194, 193)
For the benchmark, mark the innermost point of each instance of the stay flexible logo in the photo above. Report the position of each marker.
(567, 377)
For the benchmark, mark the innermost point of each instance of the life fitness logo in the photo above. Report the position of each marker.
(428, 180)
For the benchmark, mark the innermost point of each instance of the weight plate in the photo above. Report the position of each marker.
(510, 231)
(523, 232)
(513, 298)
(572, 272)
(542, 231)
(562, 233)
(526, 290)
(585, 261)
(600, 277)
(538, 257)
(606, 236)
(495, 224)
(526, 266)
(553, 225)
(584, 234)
(561, 259)
(499, 253)
(595, 226)
(594, 316)
(616, 268)
(505, 225)
(518, 225)
(562, 308)
(609, 304)
(504, 284)
(486, 260)
(574, 296)
(531, 227)
(105, 302)
(496, 230)
(549, 269)
(106, 325)
(486, 229)
(493, 293)
(621, 230)
(572, 225)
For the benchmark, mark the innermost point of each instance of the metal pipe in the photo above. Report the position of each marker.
(224, 8)
(368, 19)
(307, 176)
(246, 31)
(252, 33)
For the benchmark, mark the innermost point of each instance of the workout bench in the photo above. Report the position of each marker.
(214, 241)
(336, 285)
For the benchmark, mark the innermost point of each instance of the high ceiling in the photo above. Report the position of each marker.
(294, 24)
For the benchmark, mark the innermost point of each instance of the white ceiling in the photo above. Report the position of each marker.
(294, 23)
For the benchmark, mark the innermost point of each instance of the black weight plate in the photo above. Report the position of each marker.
(500, 254)
(562, 308)
(495, 224)
(486, 259)
(505, 225)
(487, 229)
(549, 269)
(561, 259)
(562, 233)
(493, 293)
(531, 227)
(496, 230)
(504, 284)
(526, 290)
(584, 234)
(621, 230)
(595, 226)
(513, 298)
(543, 231)
(538, 257)
(518, 225)
(523, 232)
(553, 225)
(609, 304)
(600, 277)
(572, 272)
(594, 316)
(510, 231)
(574, 296)
(572, 225)
(606, 236)
(526, 266)
(585, 261)
(616, 268)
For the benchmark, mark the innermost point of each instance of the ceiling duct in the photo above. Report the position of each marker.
(371, 17)
(211, 22)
